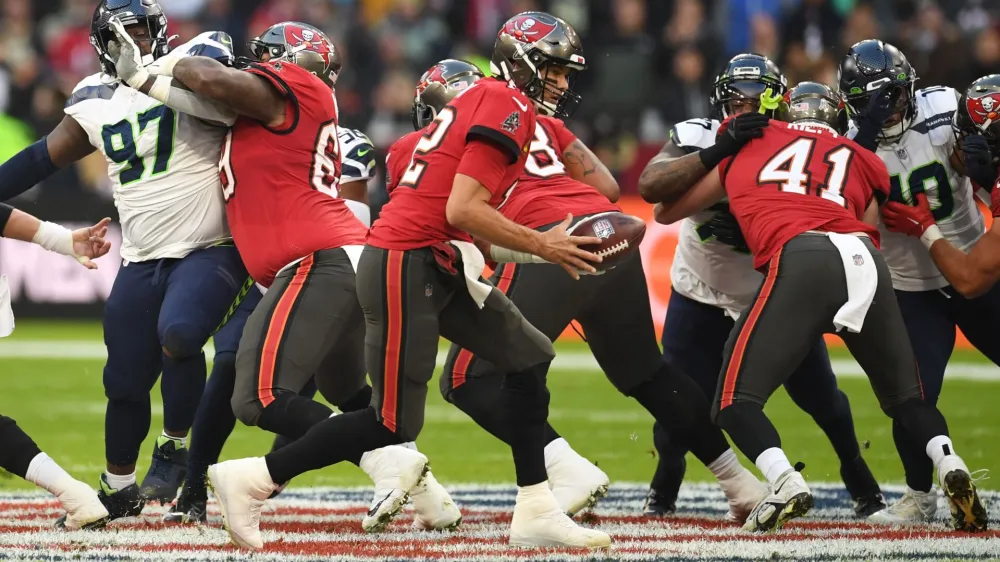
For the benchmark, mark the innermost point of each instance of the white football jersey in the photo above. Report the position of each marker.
(163, 165)
(358, 156)
(921, 161)
(705, 270)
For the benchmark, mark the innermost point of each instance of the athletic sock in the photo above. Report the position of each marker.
(214, 420)
(918, 468)
(749, 428)
(47, 474)
(939, 447)
(525, 403)
(361, 400)
(292, 415)
(726, 466)
(182, 384)
(119, 481)
(772, 463)
(126, 425)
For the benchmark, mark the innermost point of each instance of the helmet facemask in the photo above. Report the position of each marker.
(156, 39)
(532, 74)
(905, 109)
(733, 97)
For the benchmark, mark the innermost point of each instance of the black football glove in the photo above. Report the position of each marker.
(979, 166)
(726, 229)
(739, 131)
(880, 108)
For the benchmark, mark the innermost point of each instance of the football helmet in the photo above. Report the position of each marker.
(979, 112)
(814, 103)
(300, 44)
(868, 66)
(130, 12)
(528, 45)
(744, 79)
(438, 86)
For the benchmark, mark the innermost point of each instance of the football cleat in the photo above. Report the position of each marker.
(744, 492)
(435, 510)
(914, 508)
(967, 511)
(657, 505)
(127, 502)
(241, 488)
(190, 508)
(83, 506)
(575, 482)
(166, 472)
(396, 471)
(539, 521)
(790, 497)
(863, 488)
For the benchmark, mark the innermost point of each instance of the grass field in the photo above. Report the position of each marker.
(52, 387)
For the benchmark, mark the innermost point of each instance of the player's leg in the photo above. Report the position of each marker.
(931, 332)
(202, 290)
(621, 335)
(20, 456)
(549, 299)
(401, 341)
(802, 290)
(134, 361)
(813, 387)
(694, 335)
(884, 353)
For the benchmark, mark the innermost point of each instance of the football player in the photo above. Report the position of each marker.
(419, 279)
(713, 281)
(180, 273)
(977, 123)
(913, 133)
(562, 176)
(805, 197)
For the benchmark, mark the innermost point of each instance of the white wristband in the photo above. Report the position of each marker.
(138, 79)
(55, 238)
(504, 255)
(930, 236)
(160, 91)
(360, 210)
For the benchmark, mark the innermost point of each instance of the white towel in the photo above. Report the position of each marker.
(6, 314)
(862, 280)
(473, 263)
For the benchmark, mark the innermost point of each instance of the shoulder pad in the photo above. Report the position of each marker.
(92, 87)
(358, 155)
(213, 44)
(695, 134)
(935, 110)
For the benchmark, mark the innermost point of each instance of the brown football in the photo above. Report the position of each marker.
(621, 233)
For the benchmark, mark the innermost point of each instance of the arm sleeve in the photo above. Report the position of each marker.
(505, 118)
(5, 212)
(190, 103)
(25, 170)
(485, 162)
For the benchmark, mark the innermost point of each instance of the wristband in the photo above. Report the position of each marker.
(504, 255)
(55, 238)
(138, 79)
(712, 156)
(160, 91)
(360, 210)
(930, 236)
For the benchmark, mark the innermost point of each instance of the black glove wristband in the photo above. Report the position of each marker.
(713, 155)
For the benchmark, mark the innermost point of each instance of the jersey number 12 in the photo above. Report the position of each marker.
(788, 169)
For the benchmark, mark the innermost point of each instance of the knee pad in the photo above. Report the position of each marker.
(182, 341)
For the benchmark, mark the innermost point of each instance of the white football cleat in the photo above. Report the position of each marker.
(241, 487)
(914, 508)
(396, 471)
(967, 511)
(539, 521)
(435, 510)
(789, 498)
(744, 492)
(84, 509)
(575, 482)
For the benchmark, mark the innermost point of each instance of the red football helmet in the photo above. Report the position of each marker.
(979, 112)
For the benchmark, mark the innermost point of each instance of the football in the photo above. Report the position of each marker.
(621, 235)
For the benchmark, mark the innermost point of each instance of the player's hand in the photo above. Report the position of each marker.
(727, 230)
(979, 166)
(909, 220)
(559, 247)
(89, 243)
(880, 108)
(126, 55)
(741, 130)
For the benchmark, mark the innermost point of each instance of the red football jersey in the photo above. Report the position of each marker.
(798, 178)
(282, 185)
(414, 217)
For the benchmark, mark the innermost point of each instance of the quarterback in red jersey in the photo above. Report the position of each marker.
(619, 331)
(805, 199)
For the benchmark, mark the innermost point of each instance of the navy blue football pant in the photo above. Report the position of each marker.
(694, 335)
(931, 318)
(158, 317)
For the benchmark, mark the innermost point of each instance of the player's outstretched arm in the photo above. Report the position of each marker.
(66, 144)
(243, 92)
(974, 273)
(703, 195)
(670, 174)
(584, 166)
(83, 244)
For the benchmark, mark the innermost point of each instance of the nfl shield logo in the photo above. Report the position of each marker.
(858, 260)
(603, 228)
(428, 290)
(902, 154)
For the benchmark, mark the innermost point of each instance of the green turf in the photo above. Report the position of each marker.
(61, 404)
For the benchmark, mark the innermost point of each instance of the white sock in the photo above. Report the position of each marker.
(939, 447)
(555, 450)
(119, 481)
(772, 463)
(46, 474)
(726, 466)
(180, 441)
(412, 445)
(534, 492)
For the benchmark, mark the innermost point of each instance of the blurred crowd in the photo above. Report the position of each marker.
(652, 62)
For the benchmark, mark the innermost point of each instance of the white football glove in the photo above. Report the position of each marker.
(126, 55)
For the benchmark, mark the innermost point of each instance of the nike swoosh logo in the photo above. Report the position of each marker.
(363, 152)
(374, 510)
(519, 104)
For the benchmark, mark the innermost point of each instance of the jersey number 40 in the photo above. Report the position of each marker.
(788, 170)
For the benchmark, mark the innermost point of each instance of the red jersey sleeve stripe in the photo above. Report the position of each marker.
(506, 143)
(271, 350)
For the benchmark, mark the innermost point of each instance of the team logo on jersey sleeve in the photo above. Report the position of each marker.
(986, 108)
(512, 123)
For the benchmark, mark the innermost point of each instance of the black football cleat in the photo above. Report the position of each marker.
(127, 502)
(657, 505)
(863, 488)
(166, 472)
(190, 508)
